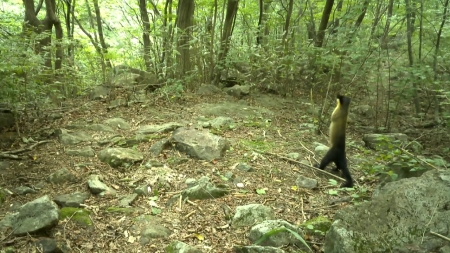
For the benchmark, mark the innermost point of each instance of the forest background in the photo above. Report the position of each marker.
(389, 54)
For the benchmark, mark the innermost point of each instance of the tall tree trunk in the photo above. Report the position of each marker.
(263, 28)
(410, 53)
(376, 19)
(145, 33)
(311, 24)
(168, 36)
(260, 22)
(46, 25)
(185, 13)
(232, 8)
(211, 46)
(287, 23)
(385, 38)
(435, 59)
(324, 22)
(362, 14)
(336, 22)
(100, 34)
(284, 43)
(358, 21)
(70, 22)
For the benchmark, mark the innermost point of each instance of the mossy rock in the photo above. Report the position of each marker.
(318, 226)
(78, 215)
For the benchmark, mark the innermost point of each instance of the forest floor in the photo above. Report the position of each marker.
(277, 128)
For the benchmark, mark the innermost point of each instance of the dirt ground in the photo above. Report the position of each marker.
(279, 133)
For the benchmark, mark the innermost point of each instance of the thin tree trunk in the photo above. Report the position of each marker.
(185, 13)
(436, 52)
(260, 19)
(287, 23)
(410, 53)
(145, 34)
(385, 38)
(324, 22)
(211, 47)
(232, 8)
(100, 34)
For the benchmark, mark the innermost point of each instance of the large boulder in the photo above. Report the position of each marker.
(400, 218)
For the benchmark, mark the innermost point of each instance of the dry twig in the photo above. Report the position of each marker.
(302, 164)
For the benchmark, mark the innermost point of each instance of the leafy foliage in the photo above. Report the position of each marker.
(391, 154)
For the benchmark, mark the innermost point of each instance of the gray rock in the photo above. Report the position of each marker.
(256, 249)
(118, 123)
(125, 142)
(61, 176)
(157, 148)
(84, 152)
(100, 128)
(47, 245)
(127, 200)
(238, 91)
(164, 128)
(208, 89)
(153, 164)
(149, 227)
(73, 138)
(35, 216)
(245, 167)
(40, 185)
(190, 182)
(408, 204)
(71, 200)
(125, 79)
(221, 122)
(120, 157)
(276, 240)
(376, 141)
(199, 144)
(23, 190)
(250, 214)
(99, 92)
(306, 182)
(181, 247)
(204, 189)
(96, 186)
(142, 190)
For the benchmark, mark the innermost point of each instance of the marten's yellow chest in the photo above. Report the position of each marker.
(338, 124)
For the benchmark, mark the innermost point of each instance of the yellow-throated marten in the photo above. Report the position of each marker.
(336, 153)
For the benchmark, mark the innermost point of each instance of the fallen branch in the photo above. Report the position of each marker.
(440, 236)
(302, 164)
(9, 156)
(12, 154)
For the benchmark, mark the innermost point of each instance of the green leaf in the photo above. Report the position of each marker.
(332, 182)
(156, 211)
(333, 192)
(261, 191)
